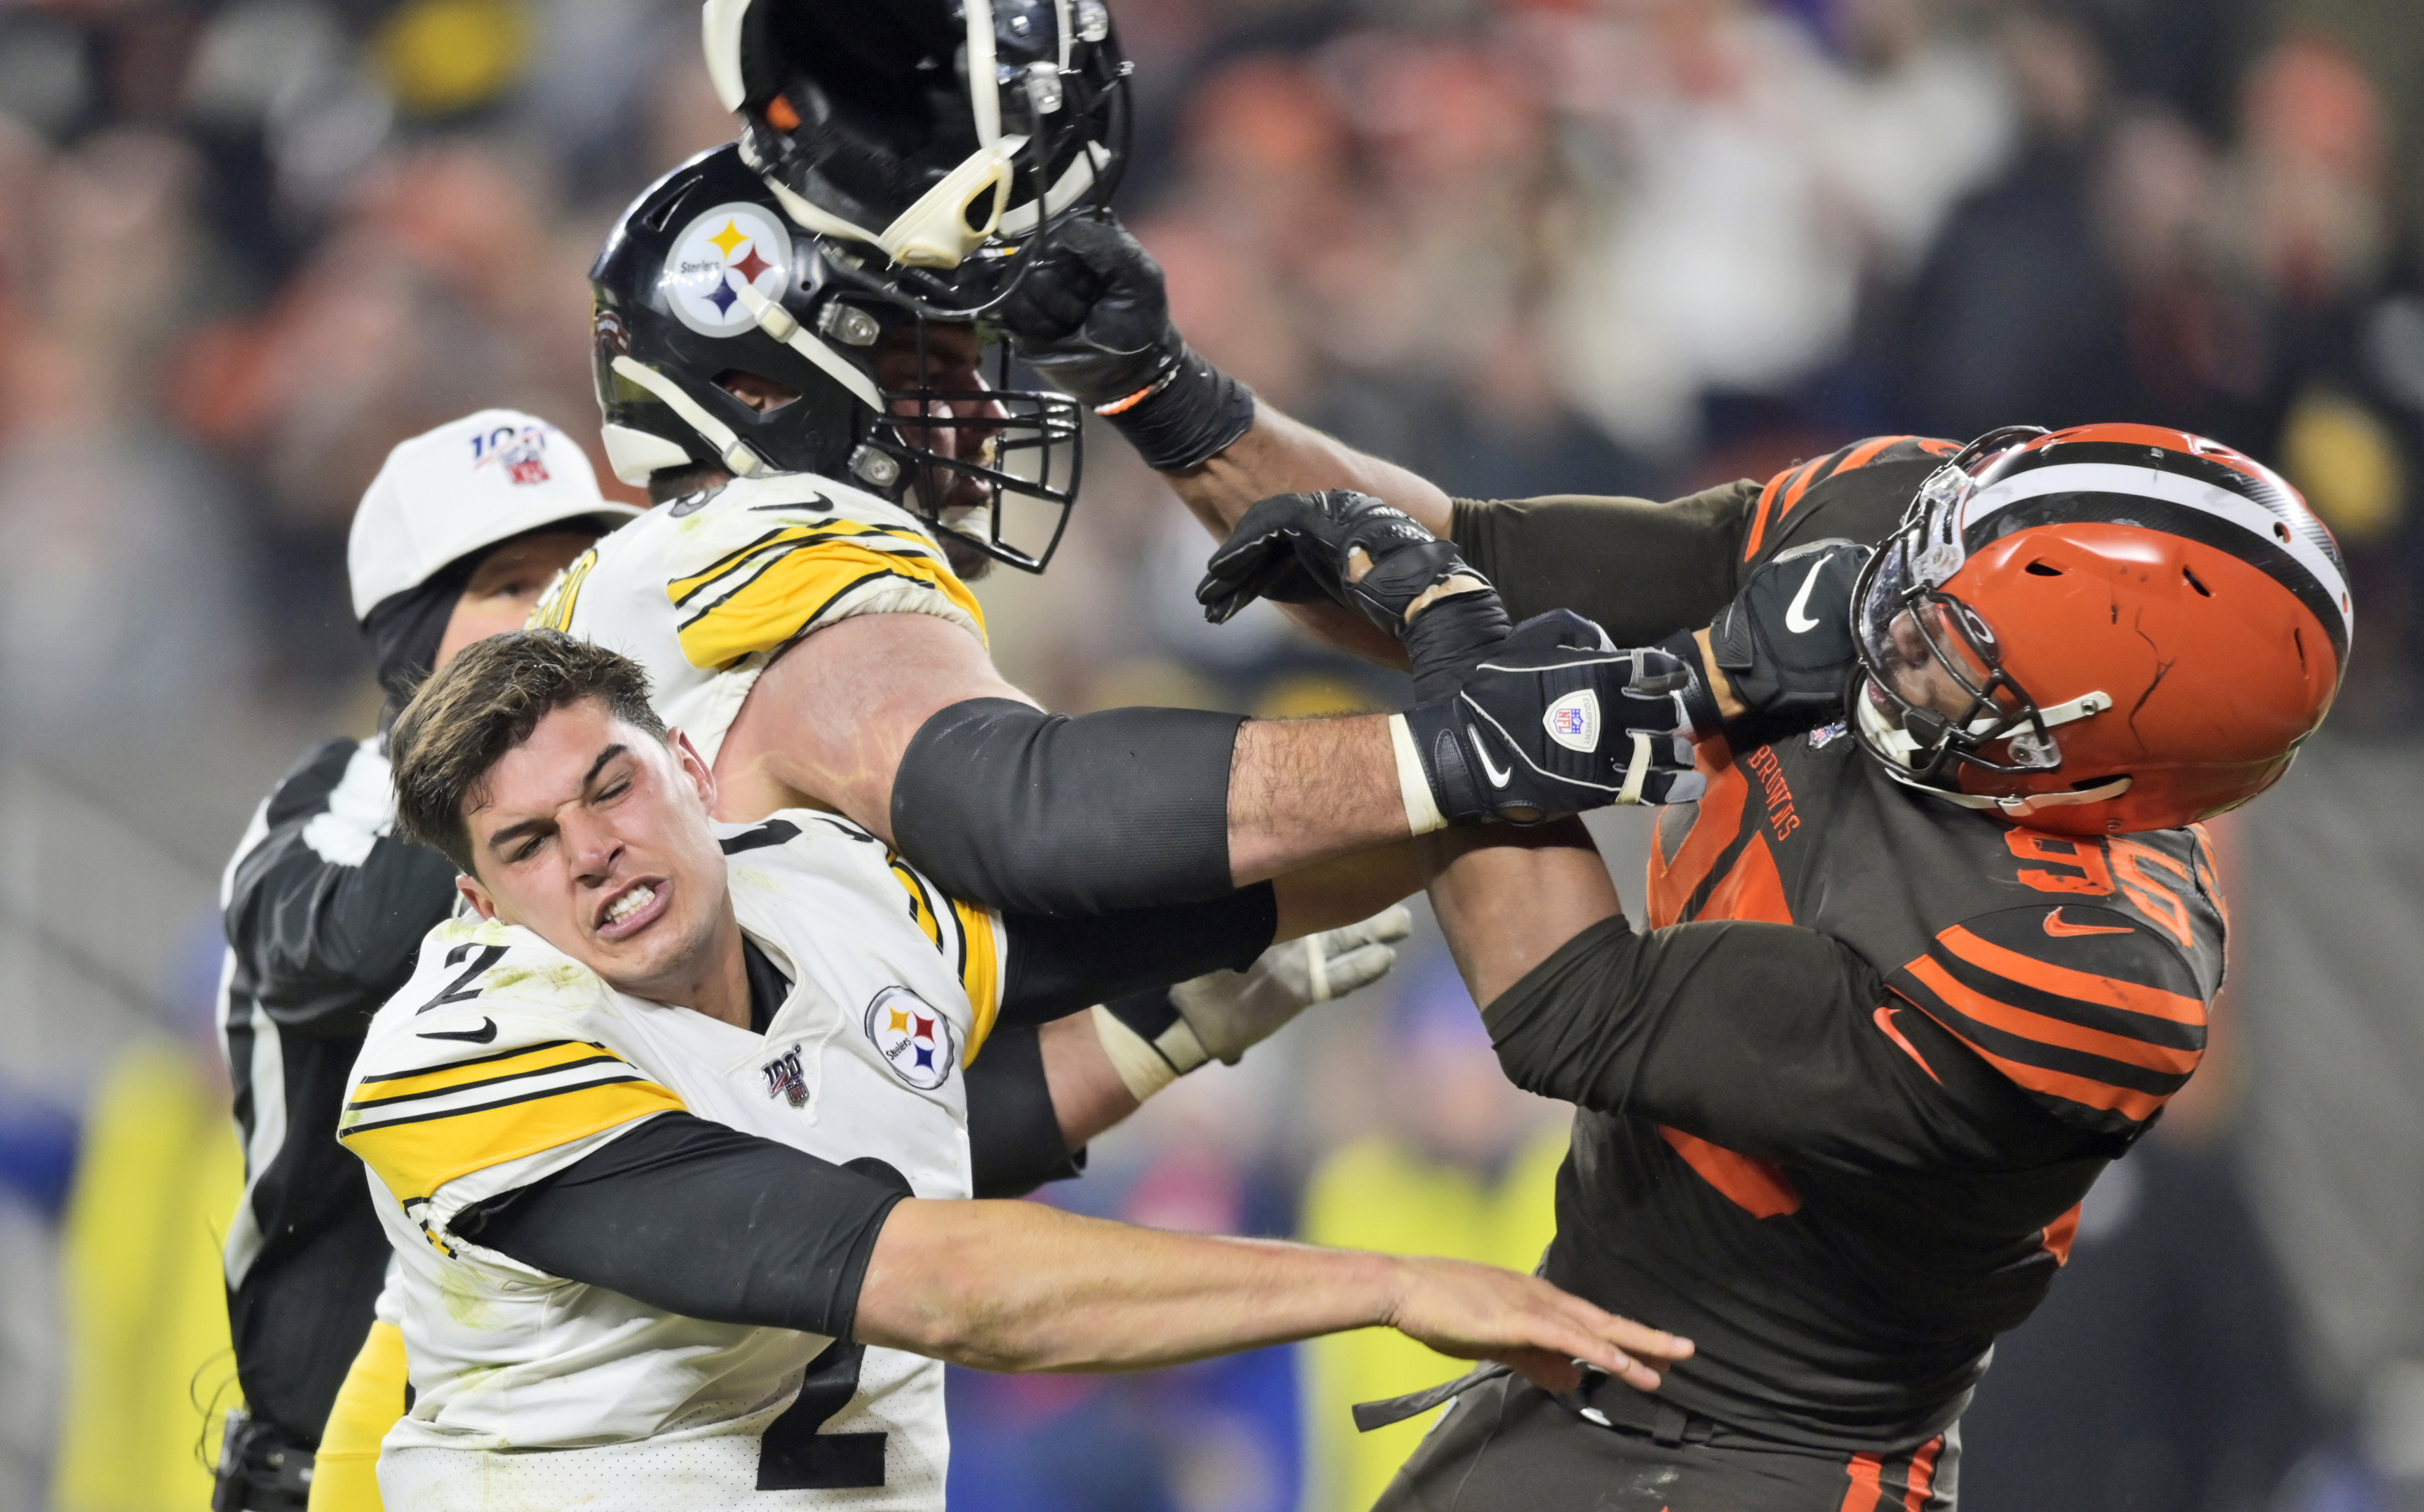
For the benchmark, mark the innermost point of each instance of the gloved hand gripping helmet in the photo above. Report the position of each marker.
(2146, 625)
(925, 138)
(707, 279)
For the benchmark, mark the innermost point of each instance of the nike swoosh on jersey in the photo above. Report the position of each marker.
(2055, 926)
(1497, 778)
(1796, 619)
(486, 1032)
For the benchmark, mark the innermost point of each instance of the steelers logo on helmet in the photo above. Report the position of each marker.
(919, 1043)
(729, 249)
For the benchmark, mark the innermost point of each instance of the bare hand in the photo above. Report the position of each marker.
(1482, 1313)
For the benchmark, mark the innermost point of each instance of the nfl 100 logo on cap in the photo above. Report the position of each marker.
(518, 453)
(720, 252)
(919, 1043)
(1573, 720)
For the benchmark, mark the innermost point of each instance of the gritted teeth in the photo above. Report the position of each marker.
(631, 903)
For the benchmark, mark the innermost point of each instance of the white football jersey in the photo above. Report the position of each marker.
(505, 1061)
(703, 590)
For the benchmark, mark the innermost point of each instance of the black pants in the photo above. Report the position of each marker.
(1508, 1446)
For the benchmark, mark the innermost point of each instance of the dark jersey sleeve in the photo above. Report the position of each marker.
(325, 911)
(1774, 1042)
(699, 1219)
(1060, 963)
(1641, 570)
(2084, 1006)
(1644, 571)
(1014, 1140)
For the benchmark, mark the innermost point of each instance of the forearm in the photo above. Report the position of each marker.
(1332, 894)
(1284, 455)
(1058, 1291)
(1304, 791)
(1088, 1095)
(1508, 898)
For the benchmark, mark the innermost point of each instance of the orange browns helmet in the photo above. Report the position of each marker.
(2146, 625)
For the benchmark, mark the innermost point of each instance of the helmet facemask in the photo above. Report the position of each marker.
(1909, 630)
(984, 460)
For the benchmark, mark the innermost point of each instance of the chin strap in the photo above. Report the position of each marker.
(1898, 745)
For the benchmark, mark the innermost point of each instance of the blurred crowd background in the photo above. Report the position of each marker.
(1525, 247)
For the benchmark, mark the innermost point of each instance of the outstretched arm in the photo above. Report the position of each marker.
(1058, 1291)
(698, 1218)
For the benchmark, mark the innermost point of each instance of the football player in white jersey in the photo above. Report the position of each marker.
(787, 345)
(671, 1141)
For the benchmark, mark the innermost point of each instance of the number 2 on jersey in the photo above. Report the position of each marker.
(455, 991)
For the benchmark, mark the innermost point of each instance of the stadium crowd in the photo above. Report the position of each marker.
(1525, 247)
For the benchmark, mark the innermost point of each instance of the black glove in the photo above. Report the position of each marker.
(1300, 548)
(1785, 643)
(1556, 721)
(1091, 316)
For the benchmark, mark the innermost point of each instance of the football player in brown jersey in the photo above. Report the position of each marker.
(1912, 976)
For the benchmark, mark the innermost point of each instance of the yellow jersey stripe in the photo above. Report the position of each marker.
(791, 595)
(980, 969)
(363, 1104)
(554, 612)
(682, 589)
(552, 1055)
(416, 1157)
(921, 905)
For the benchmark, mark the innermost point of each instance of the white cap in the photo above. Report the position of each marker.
(470, 483)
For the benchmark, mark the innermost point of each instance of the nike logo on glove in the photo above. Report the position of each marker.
(486, 1032)
(2060, 930)
(1796, 619)
(1498, 778)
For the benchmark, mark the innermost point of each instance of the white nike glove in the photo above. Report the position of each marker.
(1231, 1011)
(1154, 1039)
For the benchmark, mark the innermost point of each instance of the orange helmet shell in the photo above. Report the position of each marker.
(2173, 607)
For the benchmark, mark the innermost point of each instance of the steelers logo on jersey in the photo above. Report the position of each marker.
(726, 250)
(914, 1040)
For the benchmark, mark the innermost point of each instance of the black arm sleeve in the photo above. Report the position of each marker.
(698, 1218)
(1641, 570)
(1766, 1038)
(1061, 964)
(1019, 809)
(1014, 1140)
(325, 913)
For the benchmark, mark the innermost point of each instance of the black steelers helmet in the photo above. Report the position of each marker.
(925, 138)
(706, 285)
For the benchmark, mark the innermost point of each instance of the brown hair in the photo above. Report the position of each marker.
(484, 704)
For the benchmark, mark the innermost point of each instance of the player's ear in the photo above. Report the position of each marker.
(694, 766)
(468, 889)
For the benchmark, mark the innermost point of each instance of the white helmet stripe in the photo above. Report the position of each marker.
(2172, 487)
(984, 82)
(719, 23)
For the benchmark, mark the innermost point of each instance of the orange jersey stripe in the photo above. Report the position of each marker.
(1713, 828)
(2061, 1233)
(1759, 516)
(2127, 1101)
(1864, 1492)
(2064, 982)
(1922, 1474)
(1759, 1187)
(1810, 474)
(2044, 1030)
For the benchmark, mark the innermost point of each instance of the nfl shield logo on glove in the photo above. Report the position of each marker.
(1573, 721)
(914, 1040)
